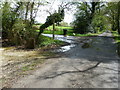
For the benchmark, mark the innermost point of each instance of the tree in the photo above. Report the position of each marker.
(84, 16)
(9, 17)
(111, 8)
(118, 17)
(53, 18)
(56, 17)
(18, 19)
(113, 14)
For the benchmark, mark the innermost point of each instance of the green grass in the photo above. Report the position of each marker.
(115, 33)
(59, 31)
(51, 32)
(117, 39)
(69, 33)
(56, 27)
(59, 27)
(89, 34)
(116, 36)
(46, 41)
(32, 65)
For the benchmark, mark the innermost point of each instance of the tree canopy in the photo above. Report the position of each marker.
(97, 16)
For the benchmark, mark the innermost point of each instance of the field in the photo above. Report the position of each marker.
(59, 31)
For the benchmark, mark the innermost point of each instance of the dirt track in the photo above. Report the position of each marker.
(93, 67)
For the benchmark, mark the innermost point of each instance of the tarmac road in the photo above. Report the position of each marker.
(93, 67)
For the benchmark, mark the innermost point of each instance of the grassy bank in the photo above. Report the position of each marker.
(47, 41)
(116, 36)
(117, 40)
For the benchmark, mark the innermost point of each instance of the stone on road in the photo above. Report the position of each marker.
(93, 67)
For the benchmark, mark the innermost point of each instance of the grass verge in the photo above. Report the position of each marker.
(117, 40)
(116, 36)
(69, 33)
(47, 41)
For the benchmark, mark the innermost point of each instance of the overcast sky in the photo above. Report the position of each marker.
(42, 13)
(69, 15)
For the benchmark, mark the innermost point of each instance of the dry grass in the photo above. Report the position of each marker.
(17, 63)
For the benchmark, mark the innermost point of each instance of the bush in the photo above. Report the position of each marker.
(80, 24)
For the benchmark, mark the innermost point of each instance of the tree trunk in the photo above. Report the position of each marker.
(26, 11)
(118, 21)
(35, 11)
(31, 14)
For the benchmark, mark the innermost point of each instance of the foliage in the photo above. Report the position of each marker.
(17, 23)
(99, 23)
(46, 41)
(7, 18)
(51, 20)
(54, 18)
(80, 24)
(116, 36)
(84, 16)
(113, 9)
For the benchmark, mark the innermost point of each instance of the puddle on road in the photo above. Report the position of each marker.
(64, 48)
(68, 39)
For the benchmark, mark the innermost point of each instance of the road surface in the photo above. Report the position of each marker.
(92, 67)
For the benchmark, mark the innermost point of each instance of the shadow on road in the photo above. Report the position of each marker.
(66, 72)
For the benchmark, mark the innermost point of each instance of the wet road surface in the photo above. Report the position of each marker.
(93, 67)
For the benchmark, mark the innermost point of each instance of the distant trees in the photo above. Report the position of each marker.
(84, 16)
(63, 23)
(97, 16)
(113, 10)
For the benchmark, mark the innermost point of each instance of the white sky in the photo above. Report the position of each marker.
(69, 15)
(42, 13)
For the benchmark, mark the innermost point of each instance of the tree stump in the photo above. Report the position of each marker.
(30, 43)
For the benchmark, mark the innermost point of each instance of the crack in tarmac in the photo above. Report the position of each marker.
(78, 67)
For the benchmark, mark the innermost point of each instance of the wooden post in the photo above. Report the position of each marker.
(53, 29)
